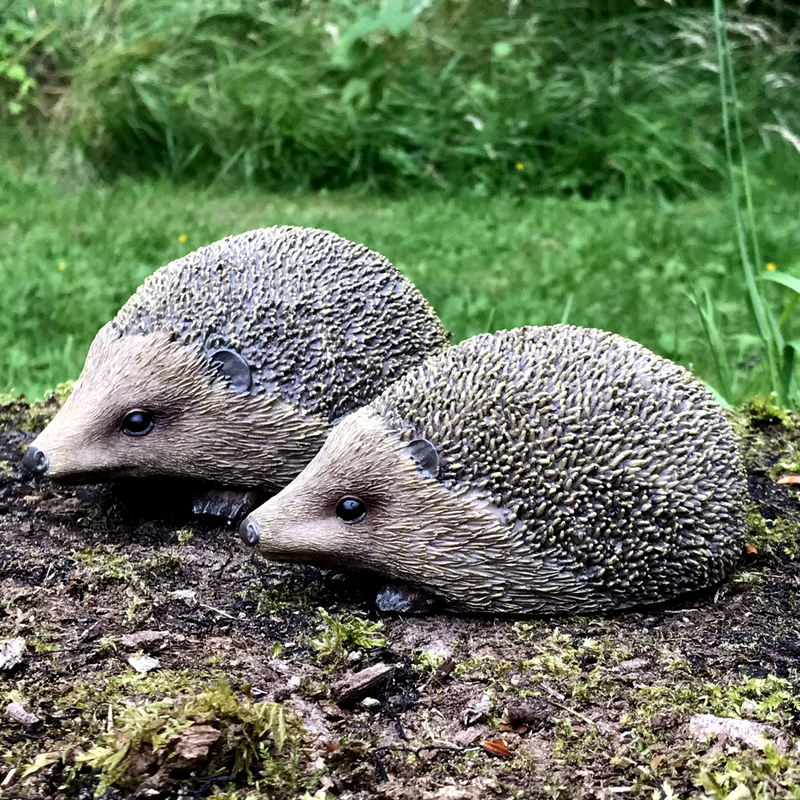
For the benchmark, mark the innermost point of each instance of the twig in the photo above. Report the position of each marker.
(217, 611)
(569, 710)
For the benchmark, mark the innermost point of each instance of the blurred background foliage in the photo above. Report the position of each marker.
(523, 161)
(597, 97)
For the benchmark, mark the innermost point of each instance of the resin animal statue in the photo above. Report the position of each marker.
(537, 470)
(229, 366)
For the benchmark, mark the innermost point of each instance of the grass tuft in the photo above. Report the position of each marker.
(778, 353)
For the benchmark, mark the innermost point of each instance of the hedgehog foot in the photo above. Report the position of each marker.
(225, 503)
(404, 599)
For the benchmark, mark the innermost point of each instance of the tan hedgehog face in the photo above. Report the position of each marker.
(368, 500)
(148, 406)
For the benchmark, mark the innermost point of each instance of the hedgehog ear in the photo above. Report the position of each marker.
(425, 456)
(234, 368)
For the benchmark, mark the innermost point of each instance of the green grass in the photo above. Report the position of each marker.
(484, 263)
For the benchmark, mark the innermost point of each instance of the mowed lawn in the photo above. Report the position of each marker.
(72, 253)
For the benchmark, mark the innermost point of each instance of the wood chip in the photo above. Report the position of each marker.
(355, 686)
(194, 743)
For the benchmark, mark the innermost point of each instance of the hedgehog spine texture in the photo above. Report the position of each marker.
(604, 458)
(322, 322)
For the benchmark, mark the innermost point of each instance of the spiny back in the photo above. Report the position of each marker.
(604, 458)
(322, 322)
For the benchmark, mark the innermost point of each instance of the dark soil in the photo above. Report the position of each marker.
(569, 707)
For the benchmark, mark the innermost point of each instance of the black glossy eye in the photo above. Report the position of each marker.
(350, 509)
(137, 423)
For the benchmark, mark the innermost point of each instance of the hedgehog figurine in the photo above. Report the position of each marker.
(537, 470)
(229, 365)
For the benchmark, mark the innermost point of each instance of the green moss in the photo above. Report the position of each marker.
(40, 646)
(426, 662)
(162, 561)
(184, 536)
(765, 775)
(773, 537)
(138, 612)
(344, 634)
(104, 564)
(255, 742)
(762, 409)
(769, 699)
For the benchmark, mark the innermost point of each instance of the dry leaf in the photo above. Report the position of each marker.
(789, 480)
(519, 729)
(497, 747)
(330, 748)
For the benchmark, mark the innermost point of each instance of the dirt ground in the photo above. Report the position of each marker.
(146, 653)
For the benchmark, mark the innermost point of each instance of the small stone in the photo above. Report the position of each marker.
(753, 734)
(633, 664)
(331, 710)
(144, 639)
(454, 793)
(741, 792)
(91, 633)
(144, 663)
(194, 743)
(20, 714)
(469, 735)
(11, 652)
(748, 708)
(370, 702)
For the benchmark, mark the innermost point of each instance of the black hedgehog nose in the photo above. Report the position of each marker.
(35, 461)
(250, 532)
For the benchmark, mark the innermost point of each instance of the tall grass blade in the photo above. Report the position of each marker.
(782, 278)
(766, 322)
(716, 343)
(567, 309)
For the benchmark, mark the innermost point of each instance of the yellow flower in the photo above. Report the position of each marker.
(520, 166)
(182, 238)
(771, 267)
(62, 265)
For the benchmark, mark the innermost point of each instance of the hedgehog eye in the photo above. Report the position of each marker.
(137, 423)
(351, 509)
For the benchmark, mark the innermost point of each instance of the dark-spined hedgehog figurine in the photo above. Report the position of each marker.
(537, 470)
(229, 365)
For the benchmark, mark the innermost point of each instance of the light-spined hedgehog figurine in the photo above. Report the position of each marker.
(229, 365)
(537, 470)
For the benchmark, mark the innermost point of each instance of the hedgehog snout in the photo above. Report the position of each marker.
(250, 531)
(35, 461)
